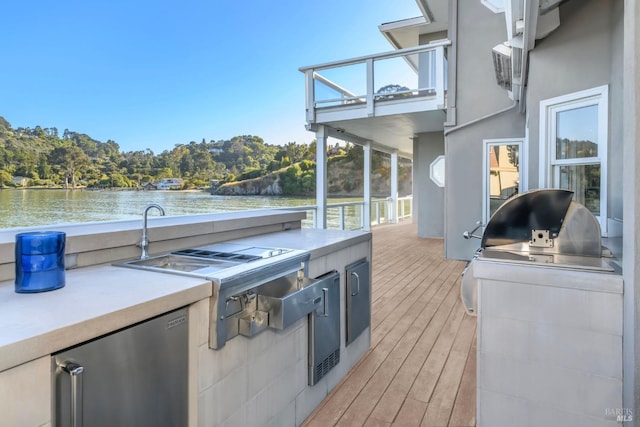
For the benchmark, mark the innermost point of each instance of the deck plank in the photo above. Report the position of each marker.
(398, 390)
(444, 395)
(464, 409)
(411, 325)
(421, 364)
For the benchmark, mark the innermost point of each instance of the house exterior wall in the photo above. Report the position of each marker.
(477, 96)
(583, 53)
(592, 47)
(427, 38)
(428, 198)
(631, 185)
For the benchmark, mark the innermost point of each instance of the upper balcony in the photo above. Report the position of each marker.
(386, 98)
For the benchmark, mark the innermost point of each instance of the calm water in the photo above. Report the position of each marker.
(25, 208)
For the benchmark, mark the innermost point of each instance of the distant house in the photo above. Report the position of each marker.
(169, 184)
(20, 181)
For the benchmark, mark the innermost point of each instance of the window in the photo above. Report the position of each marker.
(503, 176)
(436, 171)
(573, 147)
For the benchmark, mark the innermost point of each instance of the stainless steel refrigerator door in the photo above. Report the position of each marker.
(134, 377)
(358, 299)
(324, 329)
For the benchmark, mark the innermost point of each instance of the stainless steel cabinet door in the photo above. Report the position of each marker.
(135, 377)
(358, 299)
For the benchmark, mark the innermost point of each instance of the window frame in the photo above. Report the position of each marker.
(486, 169)
(492, 6)
(550, 165)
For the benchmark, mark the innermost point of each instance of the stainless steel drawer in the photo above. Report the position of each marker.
(286, 302)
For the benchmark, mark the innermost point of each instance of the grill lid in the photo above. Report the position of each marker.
(544, 221)
(533, 210)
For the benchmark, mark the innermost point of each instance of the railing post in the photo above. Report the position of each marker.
(311, 96)
(440, 77)
(315, 217)
(367, 185)
(370, 88)
(393, 214)
(341, 217)
(321, 177)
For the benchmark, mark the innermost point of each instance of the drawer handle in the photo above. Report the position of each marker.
(354, 274)
(75, 374)
(325, 296)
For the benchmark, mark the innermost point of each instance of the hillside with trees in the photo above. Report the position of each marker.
(44, 157)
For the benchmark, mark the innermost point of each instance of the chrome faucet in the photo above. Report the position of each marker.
(144, 244)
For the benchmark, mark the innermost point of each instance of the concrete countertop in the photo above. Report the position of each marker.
(101, 299)
(95, 301)
(317, 242)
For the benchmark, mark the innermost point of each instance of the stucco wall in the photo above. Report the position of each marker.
(428, 197)
(583, 53)
(477, 95)
(479, 30)
(463, 198)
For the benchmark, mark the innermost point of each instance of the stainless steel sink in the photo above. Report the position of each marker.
(179, 264)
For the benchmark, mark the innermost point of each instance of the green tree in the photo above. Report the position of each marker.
(5, 177)
(296, 152)
(70, 159)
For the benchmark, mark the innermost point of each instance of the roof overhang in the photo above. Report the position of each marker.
(387, 133)
(406, 32)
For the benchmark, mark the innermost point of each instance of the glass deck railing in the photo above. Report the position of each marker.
(349, 215)
(417, 73)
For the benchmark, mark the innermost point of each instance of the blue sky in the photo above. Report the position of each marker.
(152, 74)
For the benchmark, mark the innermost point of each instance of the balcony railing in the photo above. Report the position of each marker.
(348, 215)
(367, 84)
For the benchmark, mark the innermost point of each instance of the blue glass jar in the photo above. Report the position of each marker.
(39, 261)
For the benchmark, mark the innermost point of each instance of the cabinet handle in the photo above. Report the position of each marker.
(325, 296)
(75, 374)
(354, 274)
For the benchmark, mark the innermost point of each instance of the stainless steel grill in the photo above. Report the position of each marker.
(543, 227)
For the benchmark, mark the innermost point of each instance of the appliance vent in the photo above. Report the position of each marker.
(323, 367)
(502, 65)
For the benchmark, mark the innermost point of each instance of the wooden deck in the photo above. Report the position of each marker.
(421, 367)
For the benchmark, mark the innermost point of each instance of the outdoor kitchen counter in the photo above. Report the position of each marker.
(95, 301)
(101, 299)
(549, 345)
(317, 242)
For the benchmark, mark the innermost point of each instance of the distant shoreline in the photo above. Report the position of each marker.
(191, 190)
